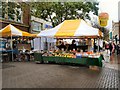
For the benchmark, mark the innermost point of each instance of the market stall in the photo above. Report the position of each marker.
(10, 30)
(12, 34)
(72, 29)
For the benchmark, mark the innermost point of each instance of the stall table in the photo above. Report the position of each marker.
(83, 61)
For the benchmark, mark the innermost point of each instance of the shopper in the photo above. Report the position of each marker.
(107, 47)
(110, 48)
(27, 54)
(104, 44)
(15, 53)
(113, 47)
(95, 47)
(116, 39)
(118, 48)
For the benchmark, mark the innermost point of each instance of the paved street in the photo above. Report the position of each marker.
(31, 75)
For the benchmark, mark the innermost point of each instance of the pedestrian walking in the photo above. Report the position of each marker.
(107, 47)
(110, 48)
(113, 47)
(116, 39)
(118, 48)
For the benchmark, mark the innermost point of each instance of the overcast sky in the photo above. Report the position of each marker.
(111, 7)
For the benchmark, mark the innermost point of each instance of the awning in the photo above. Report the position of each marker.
(72, 28)
(10, 30)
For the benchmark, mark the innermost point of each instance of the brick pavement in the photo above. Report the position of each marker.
(31, 75)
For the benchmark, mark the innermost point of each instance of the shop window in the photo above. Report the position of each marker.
(36, 26)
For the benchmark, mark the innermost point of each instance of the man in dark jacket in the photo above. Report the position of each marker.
(118, 49)
(73, 45)
(62, 46)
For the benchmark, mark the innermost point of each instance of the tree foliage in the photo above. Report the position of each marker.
(10, 9)
(57, 12)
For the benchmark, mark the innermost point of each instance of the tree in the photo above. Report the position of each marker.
(11, 10)
(57, 12)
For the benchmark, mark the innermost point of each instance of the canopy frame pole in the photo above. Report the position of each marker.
(39, 44)
(94, 45)
(98, 44)
(12, 47)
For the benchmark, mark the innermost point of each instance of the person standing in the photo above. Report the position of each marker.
(95, 47)
(116, 39)
(118, 48)
(107, 47)
(73, 45)
(110, 48)
(114, 47)
(62, 46)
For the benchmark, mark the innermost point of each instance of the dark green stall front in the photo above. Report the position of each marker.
(83, 61)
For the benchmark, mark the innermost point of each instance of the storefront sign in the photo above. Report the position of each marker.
(48, 26)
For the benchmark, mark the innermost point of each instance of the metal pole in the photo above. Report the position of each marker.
(12, 47)
(94, 46)
(39, 44)
(98, 44)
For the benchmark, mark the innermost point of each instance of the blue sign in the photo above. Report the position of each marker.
(48, 26)
(110, 35)
(2, 44)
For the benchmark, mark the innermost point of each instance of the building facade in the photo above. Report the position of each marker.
(25, 22)
(38, 25)
(116, 27)
(116, 30)
(119, 18)
(22, 21)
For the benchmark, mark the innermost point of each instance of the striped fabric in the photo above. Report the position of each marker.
(72, 28)
(10, 30)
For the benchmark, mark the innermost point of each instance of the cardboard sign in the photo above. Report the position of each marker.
(24, 46)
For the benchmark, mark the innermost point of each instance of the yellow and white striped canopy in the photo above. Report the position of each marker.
(10, 30)
(72, 28)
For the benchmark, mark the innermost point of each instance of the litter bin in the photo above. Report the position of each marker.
(38, 57)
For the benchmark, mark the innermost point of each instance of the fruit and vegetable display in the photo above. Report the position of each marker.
(71, 54)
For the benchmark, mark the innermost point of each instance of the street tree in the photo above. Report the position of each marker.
(57, 12)
(11, 10)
